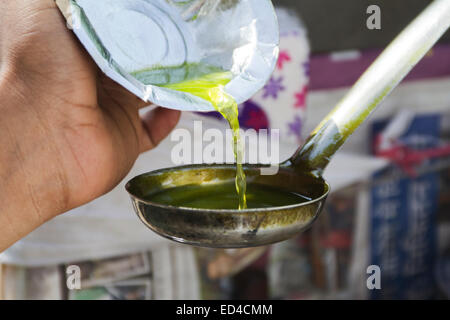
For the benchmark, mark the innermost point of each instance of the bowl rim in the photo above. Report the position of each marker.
(217, 211)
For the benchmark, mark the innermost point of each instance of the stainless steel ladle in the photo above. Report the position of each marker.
(302, 173)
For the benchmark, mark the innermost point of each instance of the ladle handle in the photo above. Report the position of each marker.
(375, 84)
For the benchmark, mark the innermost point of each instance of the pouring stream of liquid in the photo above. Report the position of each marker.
(211, 88)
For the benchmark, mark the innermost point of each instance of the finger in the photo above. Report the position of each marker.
(157, 125)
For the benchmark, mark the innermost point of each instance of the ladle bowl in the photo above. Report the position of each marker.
(302, 173)
(227, 228)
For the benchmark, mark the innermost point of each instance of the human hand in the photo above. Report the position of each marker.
(68, 133)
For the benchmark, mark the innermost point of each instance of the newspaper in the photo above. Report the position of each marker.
(103, 272)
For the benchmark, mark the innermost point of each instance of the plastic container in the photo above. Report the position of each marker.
(146, 44)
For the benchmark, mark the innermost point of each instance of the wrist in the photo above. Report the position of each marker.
(26, 185)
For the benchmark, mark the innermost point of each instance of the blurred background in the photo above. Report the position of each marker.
(389, 206)
(390, 203)
(335, 26)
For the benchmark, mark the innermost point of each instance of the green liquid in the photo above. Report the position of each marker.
(224, 196)
(211, 88)
(160, 76)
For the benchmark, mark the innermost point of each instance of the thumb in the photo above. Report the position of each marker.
(157, 124)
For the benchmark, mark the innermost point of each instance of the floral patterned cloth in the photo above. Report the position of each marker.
(281, 104)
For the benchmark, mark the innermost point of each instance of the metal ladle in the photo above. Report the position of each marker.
(302, 173)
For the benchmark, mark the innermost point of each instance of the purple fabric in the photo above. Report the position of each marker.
(253, 116)
(273, 88)
(329, 74)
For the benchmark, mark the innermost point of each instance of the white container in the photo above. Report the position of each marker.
(144, 44)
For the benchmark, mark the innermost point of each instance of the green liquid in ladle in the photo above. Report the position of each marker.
(211, 88)
(223, 196)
